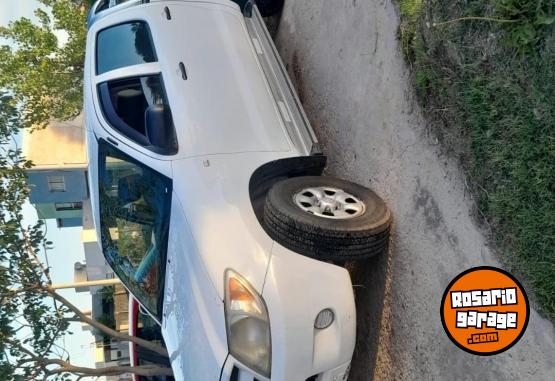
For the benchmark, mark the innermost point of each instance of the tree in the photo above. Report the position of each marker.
(44, 76)
(33, 316)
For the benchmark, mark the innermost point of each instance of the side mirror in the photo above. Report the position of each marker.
(159, 127)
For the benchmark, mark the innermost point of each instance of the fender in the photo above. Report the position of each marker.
(265, 176)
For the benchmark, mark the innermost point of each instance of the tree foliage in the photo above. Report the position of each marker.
(33, 316)
(44, 74)
(40, 80)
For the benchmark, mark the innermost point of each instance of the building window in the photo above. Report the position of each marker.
(56, 184)
(60, 206)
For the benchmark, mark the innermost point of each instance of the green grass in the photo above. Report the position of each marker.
(490, 89)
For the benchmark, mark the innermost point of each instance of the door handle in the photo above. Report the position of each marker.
(183, 71)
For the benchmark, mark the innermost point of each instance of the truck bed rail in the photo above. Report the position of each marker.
(290, 107)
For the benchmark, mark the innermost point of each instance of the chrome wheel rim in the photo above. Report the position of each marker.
(329, 202)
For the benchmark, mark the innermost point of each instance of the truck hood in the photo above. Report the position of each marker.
(214, 194)
(212, 228)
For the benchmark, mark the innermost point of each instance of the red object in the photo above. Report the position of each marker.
(133, 318)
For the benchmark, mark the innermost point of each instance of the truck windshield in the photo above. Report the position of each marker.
(134, 205)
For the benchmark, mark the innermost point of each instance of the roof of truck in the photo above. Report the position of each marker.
(103, 8)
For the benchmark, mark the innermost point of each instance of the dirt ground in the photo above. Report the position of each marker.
(344, 57)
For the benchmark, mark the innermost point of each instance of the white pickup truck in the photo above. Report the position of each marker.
(208, 199)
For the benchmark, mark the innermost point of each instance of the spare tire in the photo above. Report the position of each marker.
(327, 218)
(269, 7)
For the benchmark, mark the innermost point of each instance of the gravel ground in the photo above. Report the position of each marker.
(344, 58)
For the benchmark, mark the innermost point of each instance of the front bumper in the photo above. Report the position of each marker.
(235, 371)
(296, 289)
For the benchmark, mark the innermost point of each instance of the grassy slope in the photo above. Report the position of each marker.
(490, 87)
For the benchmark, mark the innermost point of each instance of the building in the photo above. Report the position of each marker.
(59, 178)
(59, 185)
(59, 190)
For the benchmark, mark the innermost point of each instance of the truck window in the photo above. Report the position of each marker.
(105, 4)
(127, 103)
(123, 45)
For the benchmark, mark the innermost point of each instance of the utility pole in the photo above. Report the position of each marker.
(90, 283)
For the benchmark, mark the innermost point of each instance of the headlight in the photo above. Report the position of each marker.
(248, 324)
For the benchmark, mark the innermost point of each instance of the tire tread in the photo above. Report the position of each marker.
(325, 240)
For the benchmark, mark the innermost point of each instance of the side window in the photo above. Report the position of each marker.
(137, 107)
(105, 4)
(123, 45)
